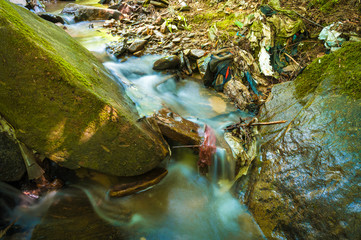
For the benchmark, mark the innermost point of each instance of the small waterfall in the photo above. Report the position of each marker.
(222, 170)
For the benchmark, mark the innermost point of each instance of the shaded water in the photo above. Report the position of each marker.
(184, 205)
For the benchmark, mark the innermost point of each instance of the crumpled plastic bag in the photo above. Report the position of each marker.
(284, 26)
(331, 37)
(265, 62)
(260, 35)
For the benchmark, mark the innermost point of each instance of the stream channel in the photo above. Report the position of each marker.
(184, 205)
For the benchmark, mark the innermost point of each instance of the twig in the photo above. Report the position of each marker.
(3, 232)
(253, 124)
(268, 123)
(292, 58)
(186, 146)
(318, 25)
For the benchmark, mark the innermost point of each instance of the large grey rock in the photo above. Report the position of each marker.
(12, 166)
(64, 104)
(88, 13)
(307, 184)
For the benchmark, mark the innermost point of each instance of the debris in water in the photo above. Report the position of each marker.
(207, 149)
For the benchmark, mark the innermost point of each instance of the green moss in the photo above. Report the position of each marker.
(62, 102)
(325, 6)
(342, 67)
(208, 17)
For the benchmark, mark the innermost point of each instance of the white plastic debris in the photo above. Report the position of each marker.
(265, 62)
(331, 37)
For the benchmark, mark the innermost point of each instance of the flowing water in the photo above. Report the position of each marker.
(184, 205)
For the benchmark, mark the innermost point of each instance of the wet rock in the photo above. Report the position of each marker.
(169, 46)
(238, 93)
(133, 185)
(137, 45)
(22, 3)
(164, 28)
(197, 53)
(139, 53)
(51, 17)
(185, 64)
(93, 123)
(177, 40)
(176, 128)
(160, 4)
(169, 62)
(110, 23)
(159, 21)
(12, 166)
(307, 184)
(88, 13)
(117, 49)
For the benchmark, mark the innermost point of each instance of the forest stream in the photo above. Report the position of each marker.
(175, 119)
(185, 205)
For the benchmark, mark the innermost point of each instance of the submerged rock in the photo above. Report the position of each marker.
(307, 184)
(74, 212)
(88, 13)
(64, 104)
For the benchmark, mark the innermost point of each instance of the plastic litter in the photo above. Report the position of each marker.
(252, 83)
(332, 38)
(213, 32)
(265, 62)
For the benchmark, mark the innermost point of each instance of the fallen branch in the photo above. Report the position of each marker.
(238, 125)
(318, 25)
(268, 123)
(292, 59)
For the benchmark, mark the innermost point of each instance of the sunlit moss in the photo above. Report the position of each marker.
(342, 67)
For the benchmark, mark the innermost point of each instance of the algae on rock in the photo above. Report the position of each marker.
(63, 103)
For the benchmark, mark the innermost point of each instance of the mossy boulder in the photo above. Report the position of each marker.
(307, 184)
(63, 103)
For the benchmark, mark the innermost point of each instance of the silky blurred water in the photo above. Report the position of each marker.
(185, 205)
